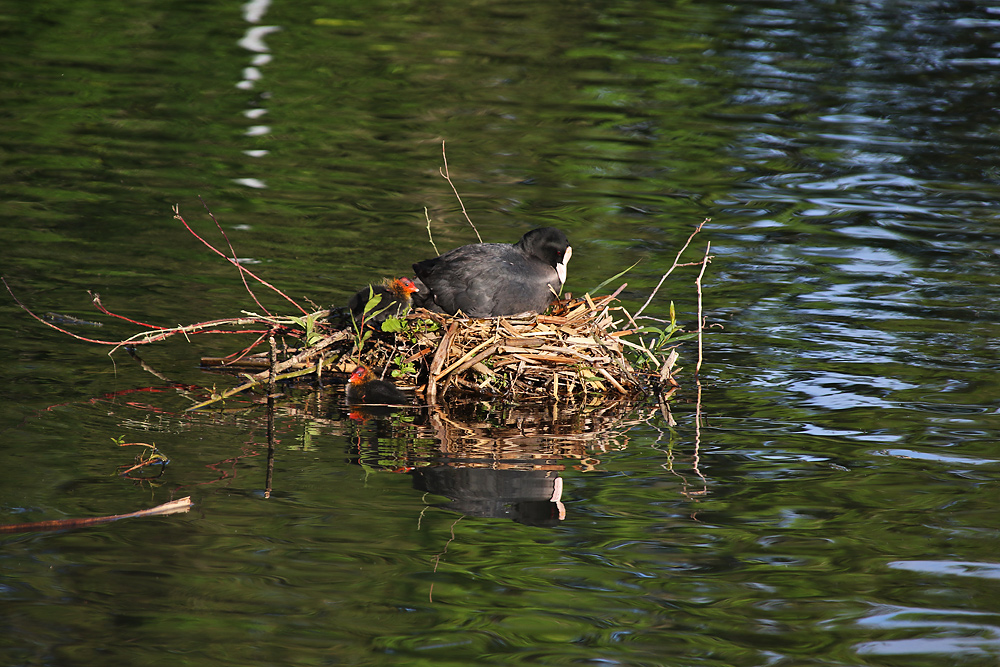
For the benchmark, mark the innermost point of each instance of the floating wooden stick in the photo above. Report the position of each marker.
(173, 507)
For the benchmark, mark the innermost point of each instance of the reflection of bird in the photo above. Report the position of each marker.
(532, 497)
(364, 388)
(495, 279)
(395, 300)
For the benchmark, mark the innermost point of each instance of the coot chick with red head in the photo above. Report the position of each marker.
(496, 279)
(395, 300)
(363, 387)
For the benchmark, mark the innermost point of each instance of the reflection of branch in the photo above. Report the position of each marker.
(696, 457)
(437, 558)
(271, 387)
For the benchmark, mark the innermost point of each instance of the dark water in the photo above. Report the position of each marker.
(836, 505)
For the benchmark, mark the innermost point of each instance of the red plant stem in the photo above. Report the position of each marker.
(96, 301)
(202, 328)
(50, 325)
(232, 261)
(245, 351)
(236, 261)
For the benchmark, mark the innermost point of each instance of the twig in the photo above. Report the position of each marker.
(245, 351)
(95, 299)
(146, 337)
(701, 321)
(235, 260)
(177, 216)
(438, 361)
(272, 364)
(672, 266)
(431, 238)
(181, 505)
(52, 326)
(447, 177)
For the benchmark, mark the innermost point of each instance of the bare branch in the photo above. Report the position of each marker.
(447, 177)
(672, 266)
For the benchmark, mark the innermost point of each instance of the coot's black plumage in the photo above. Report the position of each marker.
(496, 279)
(364, 388)
(395, 300)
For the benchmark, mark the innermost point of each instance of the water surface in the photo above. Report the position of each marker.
(834, 505)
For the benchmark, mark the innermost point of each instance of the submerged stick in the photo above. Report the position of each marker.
(173, 507)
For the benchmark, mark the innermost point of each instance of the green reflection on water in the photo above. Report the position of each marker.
(850, 401)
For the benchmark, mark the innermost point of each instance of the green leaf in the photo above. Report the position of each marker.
(392, 325)
(373, 300)
(614, 277)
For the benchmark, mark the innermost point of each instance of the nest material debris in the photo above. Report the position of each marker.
(535, 356)
(578, 350)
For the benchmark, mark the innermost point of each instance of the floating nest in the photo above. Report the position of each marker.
(589, 346)
(577, 351)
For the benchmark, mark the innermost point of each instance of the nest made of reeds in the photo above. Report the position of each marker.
(578, 350)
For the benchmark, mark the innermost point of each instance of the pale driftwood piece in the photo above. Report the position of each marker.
(173, 507)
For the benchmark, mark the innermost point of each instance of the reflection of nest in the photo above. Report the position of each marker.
(504, 463)
(527, 437)
(523, 437)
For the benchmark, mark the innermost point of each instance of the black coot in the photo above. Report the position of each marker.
(364, 388)
(395, 301)
(496, 279)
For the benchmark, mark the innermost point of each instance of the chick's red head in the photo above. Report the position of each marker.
(403, 287)
(360, 375)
